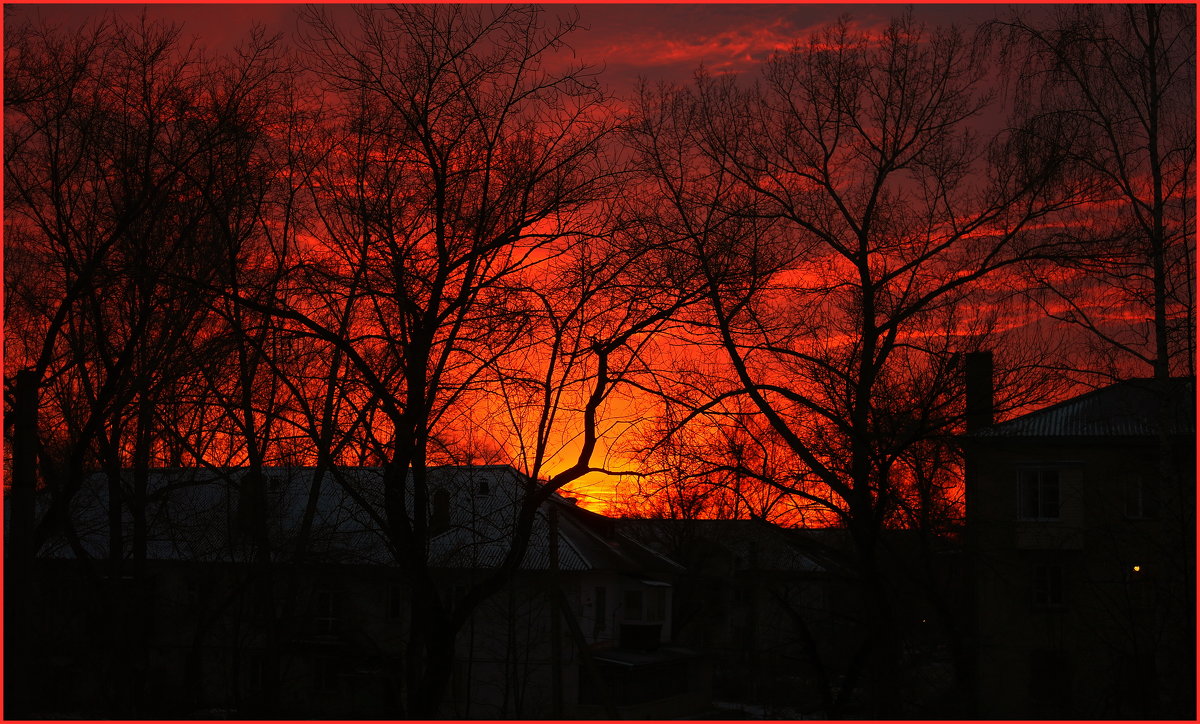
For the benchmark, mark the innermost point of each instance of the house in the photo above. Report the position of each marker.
(779, 611)
(759, 605)
(1081, 525)
(203, 625)
(614, 597)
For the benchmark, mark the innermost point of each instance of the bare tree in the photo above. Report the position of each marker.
(720, 470)
(1114, 87)
(845, 215)
(121, 143)
(460, 161)
(1118, 84)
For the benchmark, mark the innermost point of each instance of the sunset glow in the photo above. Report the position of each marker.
(480, 361)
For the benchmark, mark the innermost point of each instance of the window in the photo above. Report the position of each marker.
(1047, 586)
(633, 605)
(646, 605)
(656, 605)
(1140, 500)
(1038, 494)
(328, 611)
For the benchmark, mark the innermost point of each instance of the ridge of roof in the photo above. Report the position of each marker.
(565, 536)
(1122, 409)
(193, 515)
(650, 551)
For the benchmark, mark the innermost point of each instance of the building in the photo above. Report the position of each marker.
(614, 598)
(1081, 526)
(780, 613)
(761, 606)
(201, 623)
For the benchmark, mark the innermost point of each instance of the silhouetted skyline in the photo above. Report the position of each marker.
(416, 360)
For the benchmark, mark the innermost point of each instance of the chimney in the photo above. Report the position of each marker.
(980, 403)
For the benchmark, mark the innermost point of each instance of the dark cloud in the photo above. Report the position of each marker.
(656, 41)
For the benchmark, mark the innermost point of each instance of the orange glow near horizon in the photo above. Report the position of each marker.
(491, 424)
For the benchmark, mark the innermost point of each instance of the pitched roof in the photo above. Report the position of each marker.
(481, 524)
(484, 502)
(192, 514)
(744, 544)
(1130, 408)
(600, 541)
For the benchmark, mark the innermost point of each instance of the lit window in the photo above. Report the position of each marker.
(1038, 493)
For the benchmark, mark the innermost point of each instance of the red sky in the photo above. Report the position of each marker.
(658, 42)
(628, 42)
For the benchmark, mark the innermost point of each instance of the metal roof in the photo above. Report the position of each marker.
(192, 515)
(1131, 408)
(481, 524)
(752, 544)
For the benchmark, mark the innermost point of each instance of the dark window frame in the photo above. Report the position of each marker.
(633, 605)
(1039, 494)
(1141, 501)
(645, 605)
(1048, 586)
(327, 610)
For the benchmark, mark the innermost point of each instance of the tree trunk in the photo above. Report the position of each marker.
(18, 573)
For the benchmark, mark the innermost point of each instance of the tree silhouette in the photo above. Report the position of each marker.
(121, 145)
(844, 216)
(1114, 88)
(459, 166)
(424, 235)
